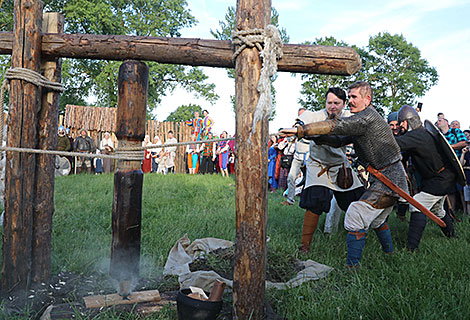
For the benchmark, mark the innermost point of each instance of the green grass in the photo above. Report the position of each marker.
(433, 284)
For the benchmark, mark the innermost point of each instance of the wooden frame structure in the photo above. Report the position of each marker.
(33, 123)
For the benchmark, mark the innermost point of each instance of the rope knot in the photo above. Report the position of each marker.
(272, 51)
(257, 38)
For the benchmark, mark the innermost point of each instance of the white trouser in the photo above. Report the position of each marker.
(293, 174)
(332, 217)
(433, 203)
(361, 215)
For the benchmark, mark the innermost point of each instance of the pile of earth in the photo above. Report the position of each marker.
(279, 267)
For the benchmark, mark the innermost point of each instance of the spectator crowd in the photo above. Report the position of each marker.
(204, 158)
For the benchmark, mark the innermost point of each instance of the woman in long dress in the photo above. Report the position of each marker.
(222, 151)
(272, 156)
(107, 147)
(147, 162)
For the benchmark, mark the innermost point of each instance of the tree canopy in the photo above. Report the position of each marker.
(184, 112)
(84, 78)
(394, 68)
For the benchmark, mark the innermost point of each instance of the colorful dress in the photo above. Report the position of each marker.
(207, 124)
(223, 155)
(272, 155)
(197, 125)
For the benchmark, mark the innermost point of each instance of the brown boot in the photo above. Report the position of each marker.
(310, 225)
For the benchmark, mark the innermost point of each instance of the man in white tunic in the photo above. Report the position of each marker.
(323, 166)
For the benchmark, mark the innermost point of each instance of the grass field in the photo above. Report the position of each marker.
(432, 284)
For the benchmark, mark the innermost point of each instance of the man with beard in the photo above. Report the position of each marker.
(392, 120)
(375, 146)
(84, 144)
(436, 178)
(323, 166)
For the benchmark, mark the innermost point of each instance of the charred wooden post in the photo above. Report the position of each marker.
(20, 174)
(128, 178)
(251, 199)
(45, 163)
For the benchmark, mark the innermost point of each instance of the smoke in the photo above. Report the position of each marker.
(125, 279)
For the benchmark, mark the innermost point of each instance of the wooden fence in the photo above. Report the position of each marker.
(98, 120)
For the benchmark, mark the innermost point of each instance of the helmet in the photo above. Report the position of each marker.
(411, 116)
(392, 117)
(61, 129)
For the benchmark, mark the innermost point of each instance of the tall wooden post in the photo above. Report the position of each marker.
(22, 132)
(128, 178)
(251, 174)
(45, 164)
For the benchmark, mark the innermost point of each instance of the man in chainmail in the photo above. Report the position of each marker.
(323, 166)
(375, 146)
(83, 144)
(436, 178)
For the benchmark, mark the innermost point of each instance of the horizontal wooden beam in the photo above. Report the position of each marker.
(186, 51)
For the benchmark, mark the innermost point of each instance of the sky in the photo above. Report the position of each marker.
(439, 29)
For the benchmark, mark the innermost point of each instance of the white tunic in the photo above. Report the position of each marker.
(324, 162)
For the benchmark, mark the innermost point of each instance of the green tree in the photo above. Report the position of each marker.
(184, 112)
(314, 86)
(160, 18)
(397, 72)
(225, 33)
(394, 68)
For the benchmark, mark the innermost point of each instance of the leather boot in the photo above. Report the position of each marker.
(308, 229)
(417, 224)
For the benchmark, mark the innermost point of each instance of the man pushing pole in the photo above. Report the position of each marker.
(375, 146)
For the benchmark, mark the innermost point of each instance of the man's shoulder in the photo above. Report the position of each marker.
(313, 116)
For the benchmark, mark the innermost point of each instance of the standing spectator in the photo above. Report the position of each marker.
(287, 149)
(98, 163)
(222, 151)
(465, 162)
(197, 125)
(192, 150)
(147, 162)
(107, 147)
(231, 160)
(70, 158)
(155, 153)
(208, 155)
(455, 124)
(171, 152)
(63, 142)
(84, 144)
(457, 141)
(272, 156)
(302, 147)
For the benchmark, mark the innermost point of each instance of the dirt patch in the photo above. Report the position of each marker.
(66, 291)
